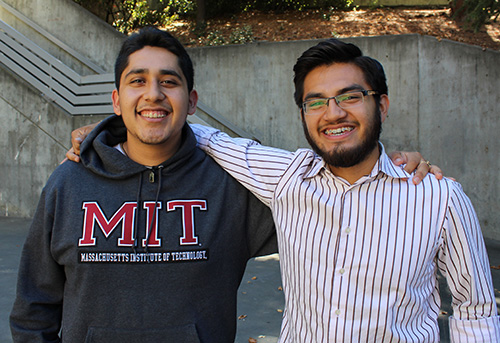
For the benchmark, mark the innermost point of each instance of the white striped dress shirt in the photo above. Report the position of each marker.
(359, 262)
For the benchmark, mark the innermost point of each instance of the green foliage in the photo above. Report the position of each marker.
(242, 35)
(339, 5)
(238, 36)
(475, 13)
(213, 38)
(128, 15)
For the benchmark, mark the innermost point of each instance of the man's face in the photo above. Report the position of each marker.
(153, 98)
(343, 137)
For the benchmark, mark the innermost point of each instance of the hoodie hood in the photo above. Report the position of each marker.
(98, 154)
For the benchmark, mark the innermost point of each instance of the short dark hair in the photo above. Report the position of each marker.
(154, 37)
(333, 51)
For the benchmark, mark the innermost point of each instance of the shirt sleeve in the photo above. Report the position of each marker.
(464, 261)
(256, 167)
(37, 311)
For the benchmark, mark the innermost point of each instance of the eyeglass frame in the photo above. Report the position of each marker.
(364, 92)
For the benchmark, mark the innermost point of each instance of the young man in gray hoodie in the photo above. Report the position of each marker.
(147, 239)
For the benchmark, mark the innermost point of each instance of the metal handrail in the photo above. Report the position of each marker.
(75, 94)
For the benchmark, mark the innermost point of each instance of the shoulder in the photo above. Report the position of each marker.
(67, 173)
(444, 189)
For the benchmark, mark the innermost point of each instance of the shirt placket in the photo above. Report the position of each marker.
(340, 280)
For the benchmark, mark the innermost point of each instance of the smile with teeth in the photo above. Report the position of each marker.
(154, 114)
(337, 132)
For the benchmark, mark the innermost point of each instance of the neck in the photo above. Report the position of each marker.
(149, 154)
(356, 172)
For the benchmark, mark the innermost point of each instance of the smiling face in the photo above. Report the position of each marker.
(154, 101)
(343, 137)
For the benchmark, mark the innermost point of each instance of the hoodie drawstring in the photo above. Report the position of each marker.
(154, 209)
(136, 220)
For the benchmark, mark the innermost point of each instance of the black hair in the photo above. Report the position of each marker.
(333, 51)
(151, 36)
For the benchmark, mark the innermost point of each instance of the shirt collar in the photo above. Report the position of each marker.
(383, 165)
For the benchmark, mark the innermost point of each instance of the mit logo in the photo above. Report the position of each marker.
(126, 215)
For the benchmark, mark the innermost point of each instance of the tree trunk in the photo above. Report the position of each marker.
(200, 13)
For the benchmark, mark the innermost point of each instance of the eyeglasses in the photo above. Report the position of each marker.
(346, 100)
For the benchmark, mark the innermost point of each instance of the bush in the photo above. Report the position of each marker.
(475, 13)
(128, 15)
(241, 35)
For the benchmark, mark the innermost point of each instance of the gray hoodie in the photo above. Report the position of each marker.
(87, 273)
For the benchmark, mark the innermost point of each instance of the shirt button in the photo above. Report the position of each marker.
(337, 312)
(342, 271)
(348, 230)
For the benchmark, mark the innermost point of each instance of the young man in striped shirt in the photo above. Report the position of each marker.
(360, 244)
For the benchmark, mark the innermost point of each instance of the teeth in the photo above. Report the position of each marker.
(339, 131)
(153, 114)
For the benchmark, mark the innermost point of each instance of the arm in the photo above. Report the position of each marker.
(258, 168)
(464, 261)
(413, 160)
(37, 311)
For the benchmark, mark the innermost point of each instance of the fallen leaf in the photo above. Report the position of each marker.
(252, 340)
(243, 316)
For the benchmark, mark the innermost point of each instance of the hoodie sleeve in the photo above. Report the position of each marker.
(261, 231)
(36, 315)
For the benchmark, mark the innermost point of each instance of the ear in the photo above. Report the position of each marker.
(384, 107)
(193, 100)
(116, 102)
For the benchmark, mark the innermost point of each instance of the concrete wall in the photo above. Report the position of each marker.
(444, 98)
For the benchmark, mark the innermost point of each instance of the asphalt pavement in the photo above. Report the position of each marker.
(260, 297)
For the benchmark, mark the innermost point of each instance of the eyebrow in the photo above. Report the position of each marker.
(353, 87)
(139, 71)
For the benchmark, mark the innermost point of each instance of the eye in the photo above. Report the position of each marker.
(136, 81)
(169, 82)
(350, 98)
(317, 103)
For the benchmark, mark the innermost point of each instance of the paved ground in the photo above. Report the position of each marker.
(260, 299)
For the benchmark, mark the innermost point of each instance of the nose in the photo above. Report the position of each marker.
(154, 92)
(333, 110)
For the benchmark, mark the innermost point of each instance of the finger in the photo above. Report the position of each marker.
(63, 160)
(412, 161)
(398, 158)
(438, 173)
(70, 155)
(422, 170)
(76, 140)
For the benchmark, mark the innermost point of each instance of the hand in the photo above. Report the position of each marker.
(415, 161)
(77, 137)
